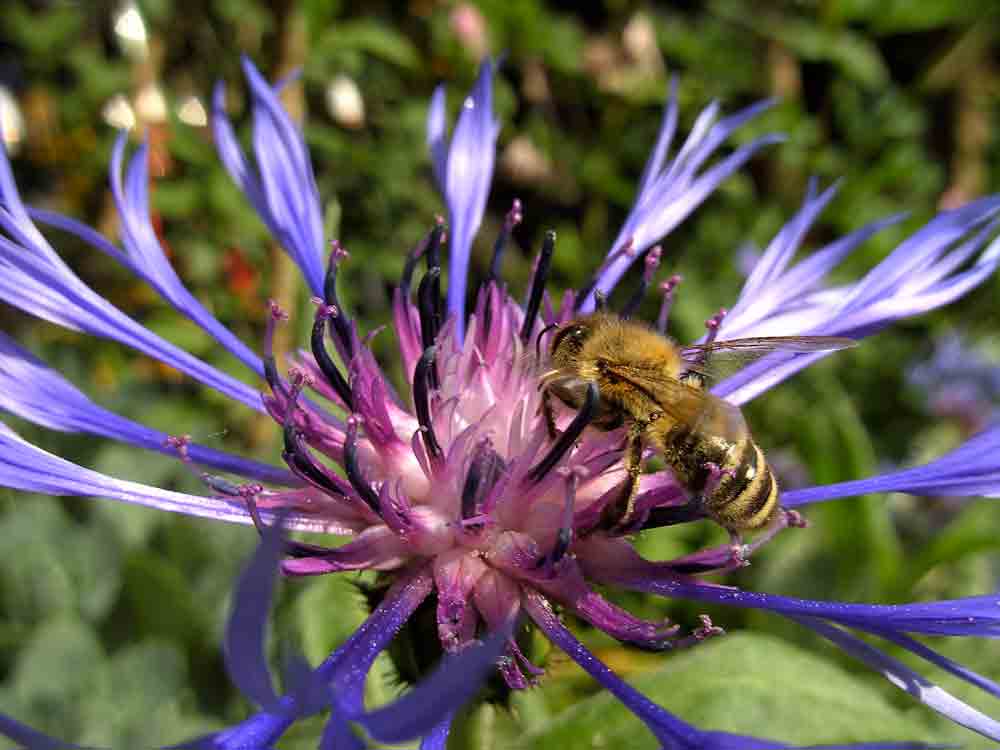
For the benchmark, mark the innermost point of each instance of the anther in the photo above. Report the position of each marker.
(325, 362)
(512, 219)
(341, 325)
(667, 287)
(600, 301)
(651, 263)
(569, 437)
(353, 470)
(538, 285)
(423, 374)
(433, 255)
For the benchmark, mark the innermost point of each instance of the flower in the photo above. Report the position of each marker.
(463, 502)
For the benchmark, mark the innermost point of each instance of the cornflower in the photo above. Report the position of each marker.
(455, 492)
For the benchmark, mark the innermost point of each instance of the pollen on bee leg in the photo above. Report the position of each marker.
(715, 476)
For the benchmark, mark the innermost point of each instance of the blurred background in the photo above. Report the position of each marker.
(111, 617)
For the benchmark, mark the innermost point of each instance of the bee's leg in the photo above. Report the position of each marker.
(783, 519)
(618, 515)
(550, 417)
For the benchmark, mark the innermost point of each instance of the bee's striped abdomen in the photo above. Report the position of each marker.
(748, 499)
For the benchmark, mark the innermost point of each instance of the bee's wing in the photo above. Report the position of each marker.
(684, 404)
(720, 358)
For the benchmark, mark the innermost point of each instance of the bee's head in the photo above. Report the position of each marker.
(569, 340)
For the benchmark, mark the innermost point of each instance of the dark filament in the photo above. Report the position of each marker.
(326, 364)
(413, 257)
(566, 440)
(422, 376)
(484, 471)
(600, 301)
(341, 325)
(299, 460)
(673, 514)
(271, 375)
(650, 262)
(353, 471)
(430, 321)
(512, 219)
(538, 285)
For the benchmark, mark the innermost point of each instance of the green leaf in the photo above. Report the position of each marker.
(749, 684)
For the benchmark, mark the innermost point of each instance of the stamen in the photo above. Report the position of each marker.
(277, 315)
(296, 454)
(413, 257)
(433, 256)
(564, 537)
(429, 320)
(484, 471)
(538, 340)
(626, 248)
(323, 359)
(600, 301)
(512, 219)
(568, 438)
(713, 323)
(667, 287)
(673, 514)
(538, 285)
(341, 325)
(423, 374)
(652, 262)
(353, 470)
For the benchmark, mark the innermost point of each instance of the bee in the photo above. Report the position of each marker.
(657, 390)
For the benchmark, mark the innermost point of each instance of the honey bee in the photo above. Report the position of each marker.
(656, 389)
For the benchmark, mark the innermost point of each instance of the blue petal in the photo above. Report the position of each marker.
(971, 469)
(436, 698)
(246, 629)
(41, 395)
(29, 738)
(906, 679)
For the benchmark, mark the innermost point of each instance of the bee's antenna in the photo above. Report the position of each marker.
(538, 339)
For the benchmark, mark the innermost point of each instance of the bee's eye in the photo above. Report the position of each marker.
(573, 336)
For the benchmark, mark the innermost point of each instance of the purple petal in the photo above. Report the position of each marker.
(437, 738)
(29, 738)
(435, 699)
(666, 206)
(246, 629)
(971, 469)
(906, 679)
(24, 466)
(437, 137)
(348, 667)
(41, 395)
(668, 729)
(464, 176)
